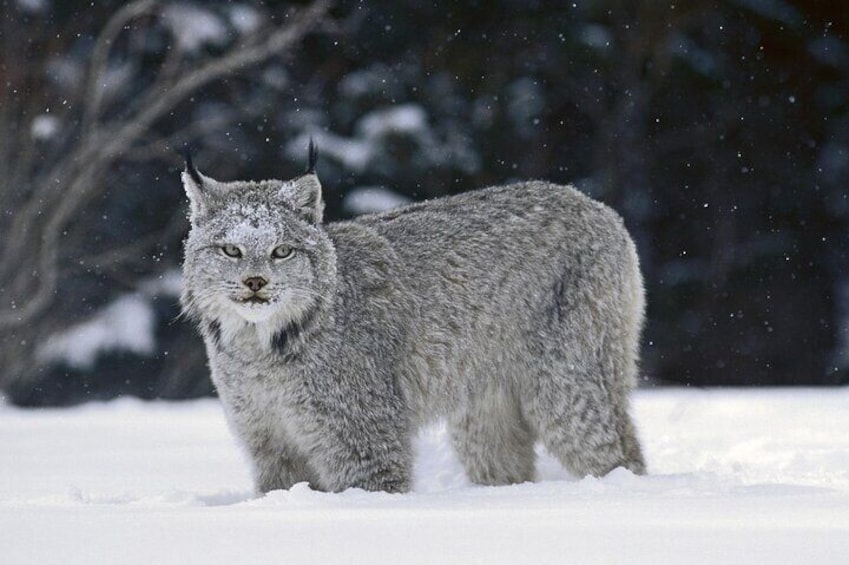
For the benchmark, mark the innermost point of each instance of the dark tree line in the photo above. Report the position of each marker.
(718, 130)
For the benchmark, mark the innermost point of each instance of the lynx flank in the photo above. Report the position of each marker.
(514, 312)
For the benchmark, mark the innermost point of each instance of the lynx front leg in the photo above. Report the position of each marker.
(368, 448)
(389, 475)
(370, 465)
(276, 466)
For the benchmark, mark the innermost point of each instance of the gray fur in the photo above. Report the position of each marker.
(514, 312)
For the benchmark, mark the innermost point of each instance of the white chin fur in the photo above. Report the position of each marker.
(256, 313)
(262, 321)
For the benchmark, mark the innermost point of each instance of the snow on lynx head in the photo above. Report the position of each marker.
(256, 256)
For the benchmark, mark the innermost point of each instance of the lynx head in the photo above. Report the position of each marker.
(256, 256)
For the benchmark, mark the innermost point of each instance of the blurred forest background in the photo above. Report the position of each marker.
(718, 129)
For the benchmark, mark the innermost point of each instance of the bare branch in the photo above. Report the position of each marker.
(159, 103)
(100, 57)
(74, 179)
(163, 146)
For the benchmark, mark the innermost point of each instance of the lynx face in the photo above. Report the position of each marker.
(256, 254)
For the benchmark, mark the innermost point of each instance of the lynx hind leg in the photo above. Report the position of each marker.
(586, 425)
(493, 440)
(635, 461)
(580, 405)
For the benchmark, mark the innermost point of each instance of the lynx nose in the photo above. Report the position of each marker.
(255, 283)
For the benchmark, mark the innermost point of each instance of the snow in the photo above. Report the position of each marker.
(126, 324)
(356, 153)
(410, 119)
(375, 133)
(193, 27)
(65, 72)
(368, 199)
(167, 284)
(596, 36)
(376, 80)
(756, 476)
(44, 127)
(244, 18)
(33, 6)
(525, 103)
(829, 50)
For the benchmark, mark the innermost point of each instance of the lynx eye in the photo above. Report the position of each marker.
(231, 250)
(282, 252)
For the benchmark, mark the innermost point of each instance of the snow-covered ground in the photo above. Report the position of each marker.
(737, 476)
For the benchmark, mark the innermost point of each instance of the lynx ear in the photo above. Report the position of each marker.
(304, 196)
(197, 187)
(304, 193)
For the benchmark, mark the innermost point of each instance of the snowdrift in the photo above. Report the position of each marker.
(736, 476)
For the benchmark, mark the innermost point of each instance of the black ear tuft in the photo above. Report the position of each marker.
(313, 157)
(190, 168)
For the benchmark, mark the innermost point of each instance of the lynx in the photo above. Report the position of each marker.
(512, 312)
